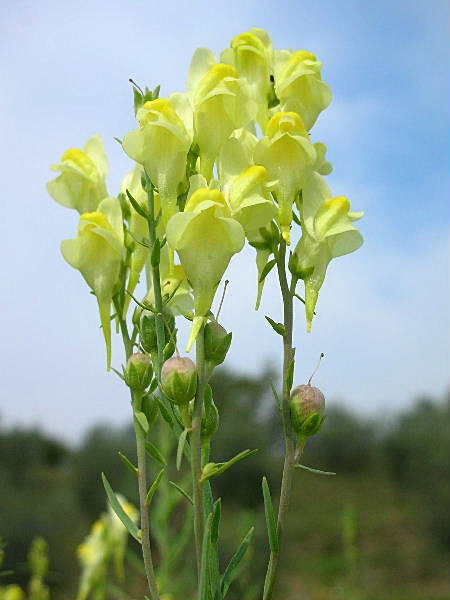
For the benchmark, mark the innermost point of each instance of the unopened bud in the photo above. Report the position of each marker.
(139, 372)
(217, 343)
(179, 380)
(147, 329)
(307, 410)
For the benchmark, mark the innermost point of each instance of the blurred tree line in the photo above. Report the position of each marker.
(53, 491)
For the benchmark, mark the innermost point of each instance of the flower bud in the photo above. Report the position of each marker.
(307, 410)
(217, 343)
(147, 329)
(139, 372)
(179, 379)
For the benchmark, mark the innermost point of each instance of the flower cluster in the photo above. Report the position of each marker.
(230, 160)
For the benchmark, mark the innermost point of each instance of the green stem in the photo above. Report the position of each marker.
(142, 476)
(145, 524)
(289, 458)
(196, 450)
(156, 280)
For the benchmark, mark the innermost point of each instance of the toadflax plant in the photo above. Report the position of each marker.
(230, 161)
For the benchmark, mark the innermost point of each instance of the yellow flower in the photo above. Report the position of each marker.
(222, 103)
(81, 184)
(246, 186)
(299, 85)
(97, 253)
(205, 238)
(161, 145)
(251, 55)
(288, 156)
(328, 232)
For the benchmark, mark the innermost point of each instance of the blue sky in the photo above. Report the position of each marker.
(383, 312)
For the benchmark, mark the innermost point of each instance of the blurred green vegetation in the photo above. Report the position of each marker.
(378, 530)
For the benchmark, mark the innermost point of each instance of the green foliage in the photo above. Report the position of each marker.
(373, 531)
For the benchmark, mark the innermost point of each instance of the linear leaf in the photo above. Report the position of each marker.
(268, 267)
(227, 576)
(180, 448)
(290, 374)
(154, 487)
(316, 471)
(278, 327)
(142, 420)
(153, 451)
(182, 492)
(127, 462)
(137, 207)
(203, 590)
(214, 469)
(130, 525)
(275, 395)
(270, 518)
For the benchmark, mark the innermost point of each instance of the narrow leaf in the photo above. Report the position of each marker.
(154, 487)
(118, 373)
(155, 255)
(120, 512)
(155, 453)
(127, 462)
(182, 492)
(203, 591)
(316, 471)
(227, 576)
(217, 512)
(213, 469)
(275, 394)
(270, 518)
(142, 420)
(137, 207)
(278, 327)
(180, 448)
(269, 266)
(290, 374)
(142, 241)
(296, 218)
(164, 412)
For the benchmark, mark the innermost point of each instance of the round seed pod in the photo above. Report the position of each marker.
(179, 380)
(307, 410)
(139, 372)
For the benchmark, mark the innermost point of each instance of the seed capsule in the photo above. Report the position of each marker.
(307, 410)
(139, 372)
(179, 380)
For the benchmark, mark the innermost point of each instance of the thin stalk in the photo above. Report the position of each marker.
(145, 524)
(196, 450)
(289, 457)
(156, 280)
(142, 475)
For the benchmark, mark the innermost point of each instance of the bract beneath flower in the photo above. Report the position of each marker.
(81, 184)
